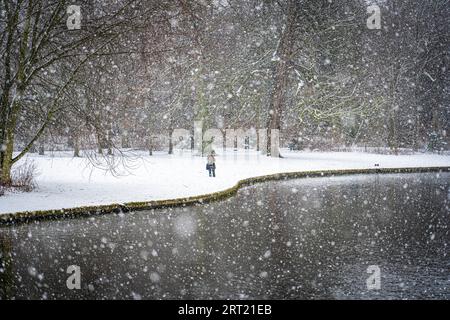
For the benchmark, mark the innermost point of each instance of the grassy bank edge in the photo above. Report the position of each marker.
(28, 216)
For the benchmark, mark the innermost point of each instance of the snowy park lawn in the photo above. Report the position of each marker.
(66, 182)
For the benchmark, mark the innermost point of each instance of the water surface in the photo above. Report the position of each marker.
(308, 238)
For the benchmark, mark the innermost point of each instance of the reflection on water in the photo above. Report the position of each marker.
(297, 239)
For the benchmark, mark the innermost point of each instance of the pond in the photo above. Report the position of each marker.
(312, 238)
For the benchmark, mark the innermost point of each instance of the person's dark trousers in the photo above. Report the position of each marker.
(212, 170)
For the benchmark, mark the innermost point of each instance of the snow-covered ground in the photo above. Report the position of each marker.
(66, 182)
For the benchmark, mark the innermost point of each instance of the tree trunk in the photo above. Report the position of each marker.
(284, 53)
(5, 158)
(125, 143)
(10, 122)
(150, 146)
(7, 155)
(41, 148)
(224, 139)
(109, 143)
(99, 144)
(257, 139)
(76, 147)
(5, 178)
(170, 138)
(392, 132)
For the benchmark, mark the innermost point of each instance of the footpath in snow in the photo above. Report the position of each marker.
(65, 182)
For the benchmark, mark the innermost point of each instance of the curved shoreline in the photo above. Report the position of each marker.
(28, 216)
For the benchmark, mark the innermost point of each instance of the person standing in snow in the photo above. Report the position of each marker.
(211, 164)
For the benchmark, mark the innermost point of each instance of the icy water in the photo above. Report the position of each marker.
(300, 239)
